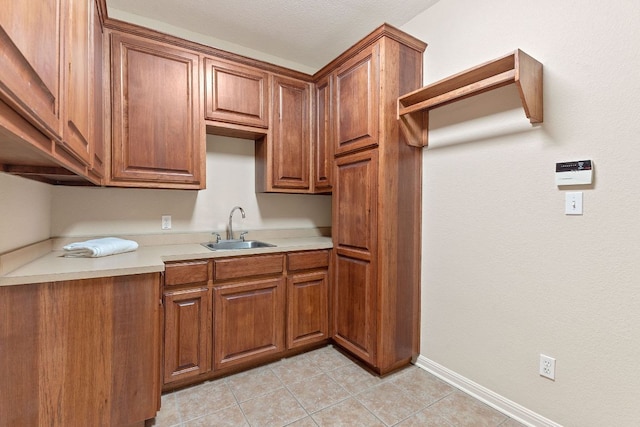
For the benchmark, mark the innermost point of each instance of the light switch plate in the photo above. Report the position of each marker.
(573, 203)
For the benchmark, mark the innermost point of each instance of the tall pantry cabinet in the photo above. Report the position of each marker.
(376, 201)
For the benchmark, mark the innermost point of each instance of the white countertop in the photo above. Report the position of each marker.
(146, 259)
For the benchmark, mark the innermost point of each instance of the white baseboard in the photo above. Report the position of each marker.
(500, 403)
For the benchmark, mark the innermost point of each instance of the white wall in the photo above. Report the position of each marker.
(25, 209)
(79, 211)
(506, 275)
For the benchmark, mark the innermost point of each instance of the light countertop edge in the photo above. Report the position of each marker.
(55, 267)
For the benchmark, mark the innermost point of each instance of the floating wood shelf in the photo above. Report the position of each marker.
(516, 67)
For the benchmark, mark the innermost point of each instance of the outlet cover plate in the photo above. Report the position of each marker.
(166, 222)
(548, 367)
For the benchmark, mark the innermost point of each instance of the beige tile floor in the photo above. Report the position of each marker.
(325, 388)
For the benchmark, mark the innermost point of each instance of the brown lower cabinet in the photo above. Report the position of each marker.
(187, 320)
(80, 352)
(243, 311)
(249, 304)
(248, 320)
(187, 333)
(307, 298)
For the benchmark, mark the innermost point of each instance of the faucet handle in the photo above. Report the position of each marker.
(218, 238)
(242, 235)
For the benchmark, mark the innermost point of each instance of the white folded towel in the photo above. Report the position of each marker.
(99, 247)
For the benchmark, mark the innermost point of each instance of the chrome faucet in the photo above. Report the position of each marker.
(230, 231)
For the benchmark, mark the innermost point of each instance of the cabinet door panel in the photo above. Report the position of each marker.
(187, 331)
(355, 224)
(77, 78)
(97, 123)
(291, 133)
(354, 306)
(308, 318)
(355, 199)
(356, 102)
(30, 47)
(236, 94)
(157, 125)
(248, 321)
(323, 141)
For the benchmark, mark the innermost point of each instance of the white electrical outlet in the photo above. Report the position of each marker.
(166, 222)
(548, 367)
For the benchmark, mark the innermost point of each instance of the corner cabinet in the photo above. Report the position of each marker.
(376, 202)
(158, 137)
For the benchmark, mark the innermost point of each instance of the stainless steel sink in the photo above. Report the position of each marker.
(236, 244)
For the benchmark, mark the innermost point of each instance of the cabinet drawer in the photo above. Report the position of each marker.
(233, 268)
(307, 260)
(186, 272)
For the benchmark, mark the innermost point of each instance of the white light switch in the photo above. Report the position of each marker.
(573, 203)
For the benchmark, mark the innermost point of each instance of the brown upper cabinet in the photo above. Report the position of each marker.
(356, 102)
(322, 155)
(31, 38)
(77, 80)
(283, 157)
(158, 137)
(236, 94)
(98, 159)
(47, 96)
(158, 95)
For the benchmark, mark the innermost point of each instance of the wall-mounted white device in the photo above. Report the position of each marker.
(579, 172)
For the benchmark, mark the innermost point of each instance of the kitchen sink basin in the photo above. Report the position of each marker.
(237, 244)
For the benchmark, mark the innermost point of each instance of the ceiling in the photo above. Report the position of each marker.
(307, 32)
